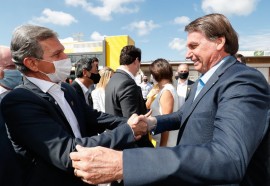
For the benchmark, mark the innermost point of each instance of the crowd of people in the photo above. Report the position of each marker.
(109, 127)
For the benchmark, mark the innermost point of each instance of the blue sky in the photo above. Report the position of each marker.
(156, 26)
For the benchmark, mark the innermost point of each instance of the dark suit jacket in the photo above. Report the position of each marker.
(10, 170)
(44, 139)
(123, 97)
(219, 135)
(79, 90)
(189, 86)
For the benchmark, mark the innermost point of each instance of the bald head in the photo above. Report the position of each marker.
(183, 71)
(183, 68)
(5, 58)
(9, 76)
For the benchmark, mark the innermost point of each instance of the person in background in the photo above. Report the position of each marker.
(139, 76)
(46, 118)
(98, 94)
(166, 100)
(86, 75)
(223, 125)
(10, 77)
(123, 97)
(240, 58)
(146, 87)
(95, 63)
(151, 96)
(183, 85)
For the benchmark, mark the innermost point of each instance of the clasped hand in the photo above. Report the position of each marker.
(141, 124)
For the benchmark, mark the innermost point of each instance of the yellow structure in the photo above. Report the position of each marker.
(114, 44)
(107, 50)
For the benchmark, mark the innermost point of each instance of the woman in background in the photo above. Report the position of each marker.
(98, 94)
(166, 100)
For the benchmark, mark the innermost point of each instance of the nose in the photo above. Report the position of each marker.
(188, 55)
(65, 55)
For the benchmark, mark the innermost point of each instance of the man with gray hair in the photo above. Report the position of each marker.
(46, 118)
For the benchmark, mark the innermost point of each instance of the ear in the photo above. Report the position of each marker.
(1, 73)
(220, 42)
(31, 64)
(84, 72)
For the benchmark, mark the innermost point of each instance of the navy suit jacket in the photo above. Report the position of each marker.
(10, 170)
(220, 135)
(79, 90)
(123, 97)
(43, 138)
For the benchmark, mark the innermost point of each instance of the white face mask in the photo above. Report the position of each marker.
(62, 70)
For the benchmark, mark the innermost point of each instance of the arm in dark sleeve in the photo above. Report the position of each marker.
(35, 126)
(239, 127)
(130, 98)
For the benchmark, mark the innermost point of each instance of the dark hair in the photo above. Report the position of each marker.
(242, 58)
(214, 26)
(25, 43)
(128, 54)
(94, 59)
(161, 69)
(83, 63)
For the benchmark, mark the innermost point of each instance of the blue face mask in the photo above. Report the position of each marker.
(12, 78)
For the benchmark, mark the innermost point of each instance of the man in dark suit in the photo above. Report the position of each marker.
(46, 118)
(123, 97)
(223, 126)
(86, 72)
(183, 84)
(10, 170)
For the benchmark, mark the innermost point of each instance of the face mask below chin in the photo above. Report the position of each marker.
(62, 70)
(95, 77)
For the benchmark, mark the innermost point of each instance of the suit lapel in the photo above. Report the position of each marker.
(189, 86)
(33, 88)
(191, 103)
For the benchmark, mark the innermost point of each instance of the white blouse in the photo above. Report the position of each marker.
(156, 110)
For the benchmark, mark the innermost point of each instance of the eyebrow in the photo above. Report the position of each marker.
(57, 52)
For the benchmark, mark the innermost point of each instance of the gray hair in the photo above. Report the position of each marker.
(25, 43)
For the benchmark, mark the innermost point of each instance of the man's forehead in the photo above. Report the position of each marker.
(194, 37)
(183, 67)
(51, 46)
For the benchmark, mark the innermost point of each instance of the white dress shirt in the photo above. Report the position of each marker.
(55, 91)
(182, 92)
(205, 77)
(85, 90)
(122, 67)
(2, 90)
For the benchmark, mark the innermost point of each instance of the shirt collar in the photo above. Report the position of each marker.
(205, 77)
(129, 73)
(2, 90)
(84, 88)
(43, 85)
(184, 83)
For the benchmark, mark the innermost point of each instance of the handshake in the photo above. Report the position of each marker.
(141, 124)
